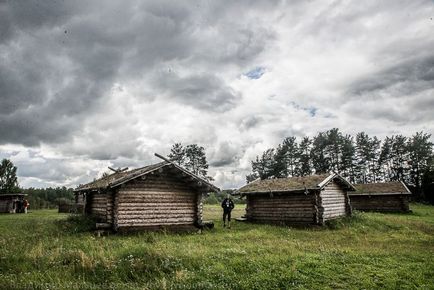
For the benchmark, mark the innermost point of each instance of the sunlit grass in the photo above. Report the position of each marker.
(371, 250)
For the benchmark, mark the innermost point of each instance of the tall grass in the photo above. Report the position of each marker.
(46, 250)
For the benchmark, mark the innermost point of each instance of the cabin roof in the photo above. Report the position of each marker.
(385, 188)
(118, 178)
(292, 184)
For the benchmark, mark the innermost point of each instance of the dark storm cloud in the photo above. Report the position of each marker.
(408, 77)
(401, 93)
(30, 16)
(46, 85)
(226, 154)
(203, 91)
(60, 59)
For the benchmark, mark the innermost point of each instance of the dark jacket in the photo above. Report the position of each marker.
(227, 204)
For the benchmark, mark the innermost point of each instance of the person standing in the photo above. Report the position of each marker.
(228, 206)
(26, 205)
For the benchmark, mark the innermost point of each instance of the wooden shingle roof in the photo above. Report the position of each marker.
(291, 184)
(385, 188)
(107, 181)
(119, 178)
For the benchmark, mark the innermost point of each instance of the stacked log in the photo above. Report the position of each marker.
(109, 207)
(334, 202)
(6, 205)
(98, 206)
(288, 208)
(380, 203)
(158, 200)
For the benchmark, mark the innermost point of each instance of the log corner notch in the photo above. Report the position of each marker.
(158, 196)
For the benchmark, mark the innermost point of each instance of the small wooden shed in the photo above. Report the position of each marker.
(162, 195)
(297, 200)
(381, 197)
(9, 202)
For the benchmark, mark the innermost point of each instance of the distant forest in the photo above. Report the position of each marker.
(360, 159)
(48, 197)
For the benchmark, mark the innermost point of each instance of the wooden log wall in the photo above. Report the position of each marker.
(380, 203)
(98, 206)
(109, 205)
(284, 209)
(161, 199)
(334, 202)
(6, 205)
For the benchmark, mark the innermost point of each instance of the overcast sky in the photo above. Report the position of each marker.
(87, 85)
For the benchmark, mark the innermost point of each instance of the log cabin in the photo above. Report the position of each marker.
(297, 200)
(8, 202)
(381, 197)
(158, 196)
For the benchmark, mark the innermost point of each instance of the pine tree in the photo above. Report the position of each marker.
(333, 149)
(177, 154)
(420, 152)
(264, 167)
(195, 160)
(348, 158)
(374, 167)
(280, 167)
(251, 177)
(8, 177)
(385, 159)
(305, 159)
(320, 161)
(399, 155)
(367, 153)
(292, 155)
(428, 182)
(192, 157)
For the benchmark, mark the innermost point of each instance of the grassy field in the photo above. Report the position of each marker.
(44, 250)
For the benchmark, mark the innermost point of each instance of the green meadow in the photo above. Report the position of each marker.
(47, 250)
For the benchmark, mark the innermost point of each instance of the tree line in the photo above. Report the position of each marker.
(360, 159)
(37, 197)
(49, 197)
